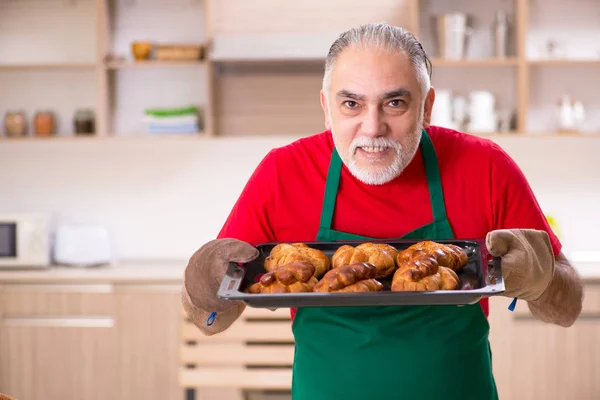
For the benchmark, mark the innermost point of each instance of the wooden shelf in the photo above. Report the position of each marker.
(119, 137)
(565, 61)
(269, 60)
(263, 70)
(484, 62)
(76, 65)
(114, 65)
(208, 135)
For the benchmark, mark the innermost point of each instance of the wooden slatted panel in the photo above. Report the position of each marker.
(260, 331)
(256, 100)
(237, 377)
(259, 16)
(255, 352)
(213, 354)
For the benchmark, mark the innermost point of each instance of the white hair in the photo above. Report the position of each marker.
(381, 36)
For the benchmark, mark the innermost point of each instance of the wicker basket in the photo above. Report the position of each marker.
(182, 52)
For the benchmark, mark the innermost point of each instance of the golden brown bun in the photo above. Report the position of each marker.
(447, 255)
(449, 280)
(285, 253)
(357, 277)
(416, 275)
(295, 277)
(382, 256)
(367, 285)
(423, 274)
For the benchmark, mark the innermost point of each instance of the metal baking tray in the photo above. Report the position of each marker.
(481, 277)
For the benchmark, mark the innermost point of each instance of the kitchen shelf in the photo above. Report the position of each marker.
(110, 137)
(484, 62)
(114, 65)
(262, 67)
(41, 66)
(565, 61)
(268, 60)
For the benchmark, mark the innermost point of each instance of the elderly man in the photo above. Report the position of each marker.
(380, 171)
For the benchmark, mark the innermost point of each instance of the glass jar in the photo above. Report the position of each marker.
(43, 123)
(84, 122)
(15, 124)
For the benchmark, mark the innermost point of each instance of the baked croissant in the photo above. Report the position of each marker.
(357, 277)
(447, 255)
(294, 277)
(381, 255)
(284, 253)
(423, 274)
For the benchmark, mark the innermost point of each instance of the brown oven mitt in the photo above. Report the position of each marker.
(527, 261)
(203, 275)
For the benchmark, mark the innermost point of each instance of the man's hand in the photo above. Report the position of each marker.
(203, 275)
(527, 261)
(551, 287)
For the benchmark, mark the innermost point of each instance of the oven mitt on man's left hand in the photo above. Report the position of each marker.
(527, 261)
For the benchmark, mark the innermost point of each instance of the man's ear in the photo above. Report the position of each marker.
(325, 107)
(427, 107)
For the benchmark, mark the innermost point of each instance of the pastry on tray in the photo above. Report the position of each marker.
(381, 255)
(357, 277)
(284, 253)
(447, 255)
(423, 274)
(295, 277)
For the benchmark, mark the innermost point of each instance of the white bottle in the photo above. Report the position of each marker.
(566, 114)
(578, 115)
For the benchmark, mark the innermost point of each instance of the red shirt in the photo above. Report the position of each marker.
(483, 188)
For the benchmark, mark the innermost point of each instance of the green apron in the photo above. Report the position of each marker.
(392, 352)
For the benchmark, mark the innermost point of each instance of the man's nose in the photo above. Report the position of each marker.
(372, 124)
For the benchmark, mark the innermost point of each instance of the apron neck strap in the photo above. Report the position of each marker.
(434, 180)
(331, 188)
(432, 173)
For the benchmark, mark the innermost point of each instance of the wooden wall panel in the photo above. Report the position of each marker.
(259, 16)
(270, 100)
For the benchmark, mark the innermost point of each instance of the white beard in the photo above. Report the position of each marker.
(381, 175)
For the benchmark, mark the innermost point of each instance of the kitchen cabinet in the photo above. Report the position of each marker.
(58, 342)
(87, 335)
(534, 360)
(148, 341)
(78, 340)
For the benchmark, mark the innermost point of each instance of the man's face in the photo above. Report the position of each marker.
(374, 112)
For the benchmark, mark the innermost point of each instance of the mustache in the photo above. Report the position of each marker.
(374, 142)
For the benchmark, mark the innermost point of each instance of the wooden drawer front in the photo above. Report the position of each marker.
(590, 309)
(256, 352)
(56, 300)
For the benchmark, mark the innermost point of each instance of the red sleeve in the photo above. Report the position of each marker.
(252, 216)
(514, 205)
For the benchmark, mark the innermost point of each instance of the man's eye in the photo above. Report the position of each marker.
(396, 103)
(351, 104)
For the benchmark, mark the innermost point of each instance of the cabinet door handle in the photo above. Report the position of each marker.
(67, 322)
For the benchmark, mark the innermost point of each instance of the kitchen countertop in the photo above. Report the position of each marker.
(126, 272)
(163, 272)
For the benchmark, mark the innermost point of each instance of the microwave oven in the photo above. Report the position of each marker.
(24, 240)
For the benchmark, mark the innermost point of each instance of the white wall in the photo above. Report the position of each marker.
(162, 199)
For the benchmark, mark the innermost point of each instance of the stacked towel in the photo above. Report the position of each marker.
(172, 120)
